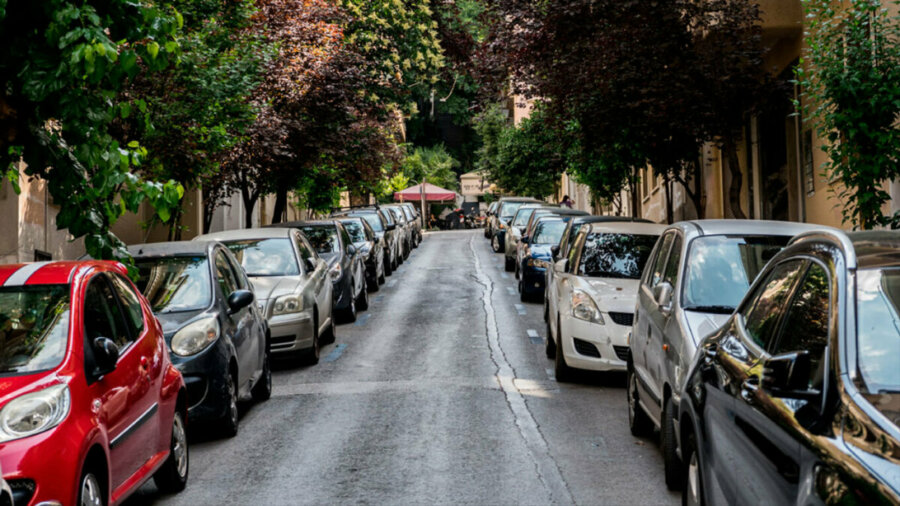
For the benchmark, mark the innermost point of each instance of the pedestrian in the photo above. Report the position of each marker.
(566, 201)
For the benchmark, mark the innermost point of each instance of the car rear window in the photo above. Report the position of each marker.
(266, 257)
(620, 256)
(174, 284)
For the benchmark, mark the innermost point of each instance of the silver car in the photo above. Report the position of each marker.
(697, 274)
(291, 284)
(515, 231)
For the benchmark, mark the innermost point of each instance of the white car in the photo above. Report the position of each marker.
(594, 294)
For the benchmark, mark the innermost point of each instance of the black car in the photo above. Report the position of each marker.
(216, 335)
(369, 246)
(385, 228)
(796, 399)
(345, 263)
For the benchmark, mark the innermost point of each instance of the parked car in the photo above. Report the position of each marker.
(536, 259)
(384, 232)
(6, 493)
(519, 252)
(412, 216)
(369, 247)
(798, 391)
(217, 337)
(346, 265)
(698, 274)
(397, 237)
(91, 407)
(596, 287)
(561, 250)
(501, 220)
(404, 228)
(291, 284)
(515, 230)
(489, 219)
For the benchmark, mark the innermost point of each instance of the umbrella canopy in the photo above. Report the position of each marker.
(432, 193)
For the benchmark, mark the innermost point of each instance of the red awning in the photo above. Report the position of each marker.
(432, 193)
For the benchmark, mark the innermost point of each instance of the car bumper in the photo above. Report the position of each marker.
(609, 341)
(204, 380)
(291, 332)
(533, 279)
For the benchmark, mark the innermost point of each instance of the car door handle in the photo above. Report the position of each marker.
(749, 388)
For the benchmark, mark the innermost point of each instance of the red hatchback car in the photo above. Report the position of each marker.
(90, 405)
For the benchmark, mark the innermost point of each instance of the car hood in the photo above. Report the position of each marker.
(171, 322)
(611, 294)
(540, 251)
(266, 287)
(701, 324)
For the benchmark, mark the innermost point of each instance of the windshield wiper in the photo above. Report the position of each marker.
(711, 309)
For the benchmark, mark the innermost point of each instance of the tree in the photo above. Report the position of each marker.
(434, 165)
(62, 68)
(850, 75)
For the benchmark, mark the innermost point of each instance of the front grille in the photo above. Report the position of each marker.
(621, 352)
(22, 490)
(626, 319)
(587, 349)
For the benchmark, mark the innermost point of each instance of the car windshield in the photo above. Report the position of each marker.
(266, 257)
(175, 283)
(619, 256)
(720, 269)
(398, 214)
(355, 229)
(508, 209)
(522, 217)
(374, 221)
(323, 239)
(34, 327)
(549, 232)
(878, 329)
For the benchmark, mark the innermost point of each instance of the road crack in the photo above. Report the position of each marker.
(545, 465)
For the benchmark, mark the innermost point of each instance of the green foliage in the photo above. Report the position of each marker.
(850, 75)
(63, 65)
(435, 165)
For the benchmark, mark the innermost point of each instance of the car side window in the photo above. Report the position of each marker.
(806, 323)
(239, 274)
(134, 313)
(225, 276)
(305, 249)
(761, 312)
(345, 238)
(674, 262)
(656, 275)
(102, 315)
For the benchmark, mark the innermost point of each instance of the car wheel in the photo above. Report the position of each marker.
(229, 422)
(693, 484)
(562, 370)
(522, 295)
(388, 268)
(330, 334)
(495, 244)
(350, 313)
(89, 492)
(546, 309)
(509, 264)
(638, 421)
(381, 277)
(551, 345)
(262, 390)
(672, 464)
(173, 475)
(362, 301)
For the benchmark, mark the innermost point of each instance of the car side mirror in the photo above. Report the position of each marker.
(391, 227)
(554, 251)
(525, 239)
(787, 376)
(351, 249)
(239, 299)
(663, 294)
(106, 356)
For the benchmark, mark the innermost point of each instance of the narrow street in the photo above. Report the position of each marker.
(440, 393)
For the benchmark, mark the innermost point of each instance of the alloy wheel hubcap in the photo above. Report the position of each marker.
(632, 391)
(232, 393)
(179, 446)
(90, 491)
(693, 491)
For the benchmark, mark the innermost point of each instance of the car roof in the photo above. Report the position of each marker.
(175, 248)
(627, 227)
(248, 233)
(519, 199)
(608, 219)
(564, 211)
(745, 227)
(53, 272)
(876, 248)
(307, 223)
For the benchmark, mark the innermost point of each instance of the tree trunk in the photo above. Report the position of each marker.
(250, 199)
(635, 198)
(737, 179)
(280, 209)
(670, 213)
(697, 194)
(175, 225)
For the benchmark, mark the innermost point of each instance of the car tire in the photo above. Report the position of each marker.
(638, 421)
(692, 494)
(523, 297)
(496, 245)
(311, 355)
(330, 334)
(508, 264)
(262, 390)
(362, 300)
(388, 268)
(228, 424)
(562, 370)
(674, 471)
(173, 475)
(546, 309)
(550, 349)
(381, 277)
(350, 313)
(90, 493)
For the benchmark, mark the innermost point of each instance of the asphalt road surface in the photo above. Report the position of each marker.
(440, 393)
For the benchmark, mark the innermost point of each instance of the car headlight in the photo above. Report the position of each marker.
(195, 337)
(34, 413)
(584, 308)
(287, 304)
(336, 272)
(537, 263)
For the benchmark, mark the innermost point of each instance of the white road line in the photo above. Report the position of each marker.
(521, 309)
